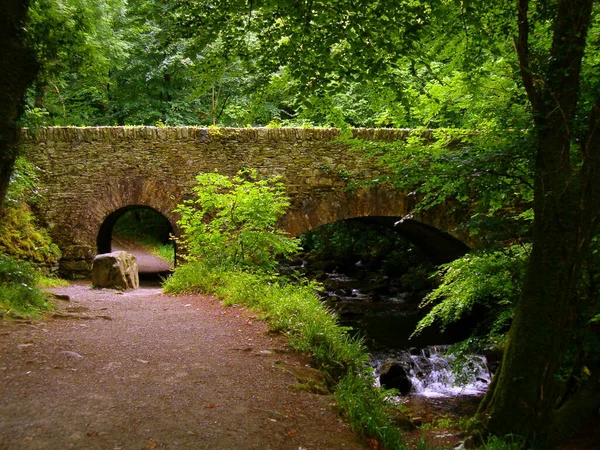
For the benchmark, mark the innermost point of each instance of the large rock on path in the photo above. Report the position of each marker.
(115, 270)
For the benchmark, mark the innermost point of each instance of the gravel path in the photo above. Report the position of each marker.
(147, 263)
(142, 370)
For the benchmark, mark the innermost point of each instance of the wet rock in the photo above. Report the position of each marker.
(322, 266)
(472, 442)
(393, 375)
(115, 270)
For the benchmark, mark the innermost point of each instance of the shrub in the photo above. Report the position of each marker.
(20, 235)
(489, 279)
(18, 291)
(233, 222)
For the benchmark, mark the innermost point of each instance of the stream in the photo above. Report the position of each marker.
(418, 367)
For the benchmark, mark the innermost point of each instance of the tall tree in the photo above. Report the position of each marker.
(530, 396)
(17, 70)
(77, 44)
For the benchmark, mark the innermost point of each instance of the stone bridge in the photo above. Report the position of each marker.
(91, 176)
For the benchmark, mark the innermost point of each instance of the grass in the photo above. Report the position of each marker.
(19, 288)
(150, 244)
(296, 311)
(164, 251)
(50, 281)
(365, 409)
(505, 443)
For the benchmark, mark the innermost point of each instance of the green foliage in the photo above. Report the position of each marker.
(233, 221)
(351, 240)
(505, 443)
(22, 242)
(366, 410)
(23, 183)
(350, 237)
(487, 177)
(147, 228)
(491, 279)
(200, 63)
(50, 281)
(76, 45)
(143, 224)
(18, 291)
(20, 235)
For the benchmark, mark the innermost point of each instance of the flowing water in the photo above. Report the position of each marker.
(386, 319)
(431, 374)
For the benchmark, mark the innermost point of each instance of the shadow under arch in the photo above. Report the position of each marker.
(105, 233)
(387, 207)
(439, 246)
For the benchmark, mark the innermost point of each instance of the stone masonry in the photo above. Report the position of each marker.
(92, 174)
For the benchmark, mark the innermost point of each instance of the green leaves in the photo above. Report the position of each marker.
(18, 290)
(491, 279)
(233, 221)
(485, 177)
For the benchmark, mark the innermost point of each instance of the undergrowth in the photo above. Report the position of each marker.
(21, 236)
(296, 311)
(19, 292)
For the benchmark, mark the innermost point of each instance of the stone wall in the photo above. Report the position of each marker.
(91, 173)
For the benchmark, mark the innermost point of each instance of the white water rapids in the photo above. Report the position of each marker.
(431, 375)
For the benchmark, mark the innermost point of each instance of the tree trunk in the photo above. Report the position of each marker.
(18, 68)
(529, 397)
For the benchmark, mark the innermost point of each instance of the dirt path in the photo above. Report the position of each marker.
(142, 370)
(147, 263)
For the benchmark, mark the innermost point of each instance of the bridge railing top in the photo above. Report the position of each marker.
(68, 134)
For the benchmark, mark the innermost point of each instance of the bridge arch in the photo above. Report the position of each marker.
(91, 222)
(385, 207)
(105, 234)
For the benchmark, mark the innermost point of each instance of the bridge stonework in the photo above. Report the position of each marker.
(93, 174)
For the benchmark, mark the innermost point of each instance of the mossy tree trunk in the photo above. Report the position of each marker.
(18, 68)
(533, 396)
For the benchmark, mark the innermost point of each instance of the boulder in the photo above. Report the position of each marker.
(392, 375)
(117, 270)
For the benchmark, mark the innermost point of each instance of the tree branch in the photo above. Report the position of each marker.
(521, 44)
(512, 177)
(568, 46)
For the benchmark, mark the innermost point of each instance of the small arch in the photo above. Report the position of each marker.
(104, 240)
